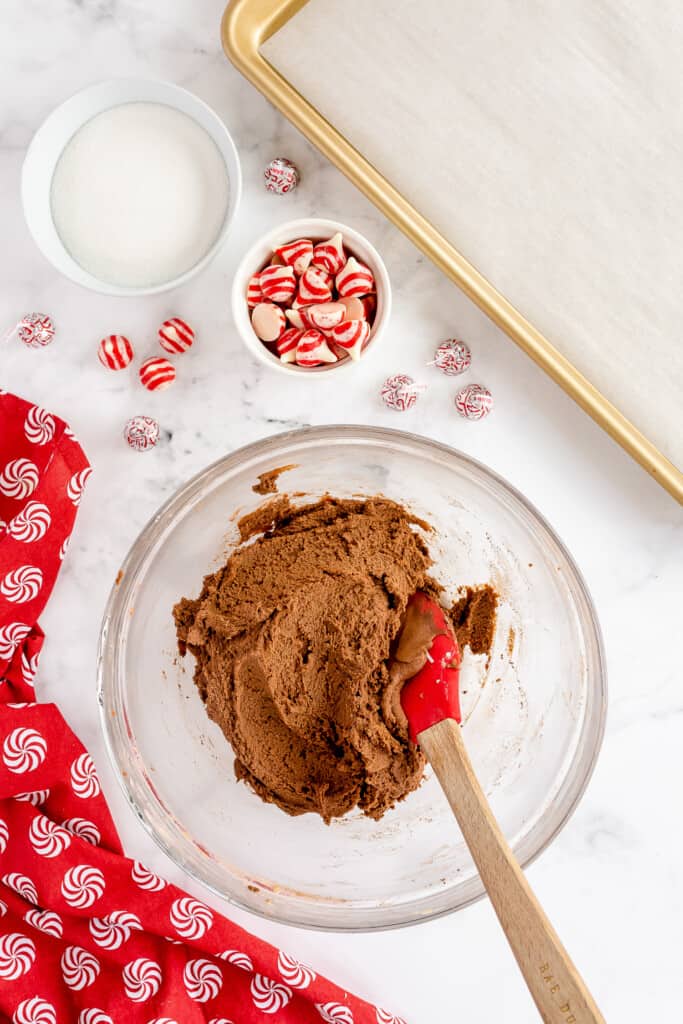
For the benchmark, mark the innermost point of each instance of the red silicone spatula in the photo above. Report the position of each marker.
(431, 702)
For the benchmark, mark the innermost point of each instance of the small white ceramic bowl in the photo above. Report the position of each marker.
(61, 125)
(317, 229)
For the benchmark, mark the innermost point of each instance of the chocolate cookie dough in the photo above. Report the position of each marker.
(293, 640)
(267, 482)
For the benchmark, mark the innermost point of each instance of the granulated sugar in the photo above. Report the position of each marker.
(139, 194)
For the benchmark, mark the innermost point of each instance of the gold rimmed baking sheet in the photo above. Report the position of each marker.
(551, 161)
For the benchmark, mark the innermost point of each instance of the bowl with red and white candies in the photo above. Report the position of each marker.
(311, 296)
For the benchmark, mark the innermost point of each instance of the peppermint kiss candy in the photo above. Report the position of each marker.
(453, 357)
(286, 344)
(313, 350)
(176, 336)
(354, 279)
(314, 287)
(351, 335)
(156, 374)
(268, 321)
(297, 255)
(35, 330)
(295, 317)
(141, 433)
(353, 309)
(474, 402)
(330, 255)
(278, 283)
(399, 392)
(254, 293)
(281, 176)
(324, 316)
(115, 352)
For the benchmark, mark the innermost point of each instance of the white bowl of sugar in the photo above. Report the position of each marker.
(130, 186)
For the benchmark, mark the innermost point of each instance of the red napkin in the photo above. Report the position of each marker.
(88, 936)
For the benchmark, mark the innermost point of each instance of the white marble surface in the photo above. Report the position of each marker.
(612, 882)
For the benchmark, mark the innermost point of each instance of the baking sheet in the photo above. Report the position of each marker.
(544, 141)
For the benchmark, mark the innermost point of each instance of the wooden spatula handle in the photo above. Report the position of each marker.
(556, 986)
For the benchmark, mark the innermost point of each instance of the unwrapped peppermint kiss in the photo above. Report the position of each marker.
(254, 293)
(314, 287)
(296, 319)
(351, 335)
(353, 308)
(141, 433)
(330, 255)
(287, 343)
(268, 321)
(313, 349)
(176, 336)
(297, 254)
(324, 316)
(400, 392)
(156, 374)
(474, 402)
(278, 284)
(354, 279)
(115, 352)
(453, 357)
(281, 176)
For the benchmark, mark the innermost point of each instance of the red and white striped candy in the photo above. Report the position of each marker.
(324, 316)
(287, 344)
(141, 433)
(400, 392)
(156, 374)
(296, 319)
(354, 279)
(313, 349)
(353, 308)
(35, 330)
(176, 336)
(278, 283)
(314, 287)
(351, 335)
(268, 321)
(297, 255)
(330, 255)
(254, 293)
(474, 402)
(281, 176)
(115, 352)
(453, 357)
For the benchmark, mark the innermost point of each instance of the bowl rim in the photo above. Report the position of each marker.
(107, 652)
(106, 94)
(287, 232)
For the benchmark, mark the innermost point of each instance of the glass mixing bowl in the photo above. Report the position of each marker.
(534, 714)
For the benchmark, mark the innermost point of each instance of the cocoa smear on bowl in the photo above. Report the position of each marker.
(268, 481)
(293, 641)
(473, 616)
